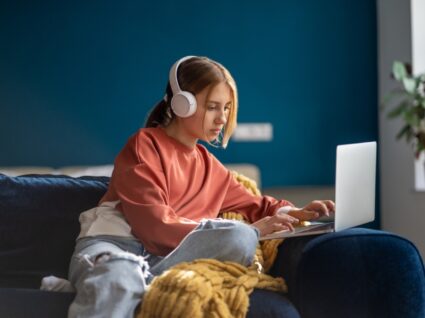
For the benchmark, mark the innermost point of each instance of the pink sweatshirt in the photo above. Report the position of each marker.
(165, 188)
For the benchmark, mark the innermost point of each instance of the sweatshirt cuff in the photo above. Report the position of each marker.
(284, 209)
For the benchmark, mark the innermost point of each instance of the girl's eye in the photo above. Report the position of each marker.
(214, 107)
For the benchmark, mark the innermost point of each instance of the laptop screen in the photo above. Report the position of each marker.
(355, 185)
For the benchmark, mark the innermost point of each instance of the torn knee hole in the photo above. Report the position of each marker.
(102, 257)
(120, 256)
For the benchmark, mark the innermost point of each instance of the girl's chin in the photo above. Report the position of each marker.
(210, 139)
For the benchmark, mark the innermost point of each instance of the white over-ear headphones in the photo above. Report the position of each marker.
(183, 103)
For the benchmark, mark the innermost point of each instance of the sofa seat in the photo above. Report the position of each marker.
(24, 303)
(353, 273)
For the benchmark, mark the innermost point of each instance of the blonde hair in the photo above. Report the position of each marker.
(194, 75)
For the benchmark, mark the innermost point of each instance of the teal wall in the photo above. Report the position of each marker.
(77, 78)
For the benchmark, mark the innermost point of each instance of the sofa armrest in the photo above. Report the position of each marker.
(354, 273)
(39, 224)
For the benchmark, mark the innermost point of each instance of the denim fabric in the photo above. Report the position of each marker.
(223, 240)
(118, 275)
(111, 274)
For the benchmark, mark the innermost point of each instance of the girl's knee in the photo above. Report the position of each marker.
(239, 242)
(243, 231)
(244, 234)
(224, 240)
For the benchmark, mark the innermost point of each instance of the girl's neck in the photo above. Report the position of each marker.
(175, 131)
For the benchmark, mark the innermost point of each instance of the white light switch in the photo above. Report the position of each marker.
(253, 132)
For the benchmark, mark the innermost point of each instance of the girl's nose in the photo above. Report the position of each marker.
(221, 118)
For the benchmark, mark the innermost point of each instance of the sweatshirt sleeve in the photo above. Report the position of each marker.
(239, 199)
(141, 187)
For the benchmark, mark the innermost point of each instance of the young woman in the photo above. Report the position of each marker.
(165, 196)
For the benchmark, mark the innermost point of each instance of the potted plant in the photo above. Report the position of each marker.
(409, 100)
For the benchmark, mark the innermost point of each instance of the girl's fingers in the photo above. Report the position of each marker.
(330, 204)
(310, 215)
(286, 218)
(323, 206)
(284, 226)
(318, 206)
(305, 215)
(279, 227)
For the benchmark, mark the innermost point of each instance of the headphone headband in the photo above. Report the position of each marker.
(174, 82)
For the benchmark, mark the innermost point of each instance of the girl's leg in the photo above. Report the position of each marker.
(109, 276)
(223, 240)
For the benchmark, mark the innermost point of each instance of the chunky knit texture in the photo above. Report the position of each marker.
(210, 288)
(266, 250)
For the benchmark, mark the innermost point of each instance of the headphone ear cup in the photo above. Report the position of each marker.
(183, 104)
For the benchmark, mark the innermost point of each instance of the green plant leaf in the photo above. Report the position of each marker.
(396, 92)
(397, 111)
(409, 85)
(399, 70)
(419, 112)
(403, 131)
(410, 118)
(409, 135)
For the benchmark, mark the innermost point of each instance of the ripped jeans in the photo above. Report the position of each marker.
(111, 273)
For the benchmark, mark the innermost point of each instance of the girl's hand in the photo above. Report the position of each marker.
(313, 210)
(277, 222)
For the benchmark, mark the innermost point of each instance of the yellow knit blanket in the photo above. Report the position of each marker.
(210, 288)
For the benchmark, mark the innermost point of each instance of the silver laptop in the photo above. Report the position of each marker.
(355, 179)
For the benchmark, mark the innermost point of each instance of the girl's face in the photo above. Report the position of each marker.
(211, 114)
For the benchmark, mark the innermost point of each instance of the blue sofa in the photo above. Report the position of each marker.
(353, 273)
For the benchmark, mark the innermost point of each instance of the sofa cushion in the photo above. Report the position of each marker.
(39, 223)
